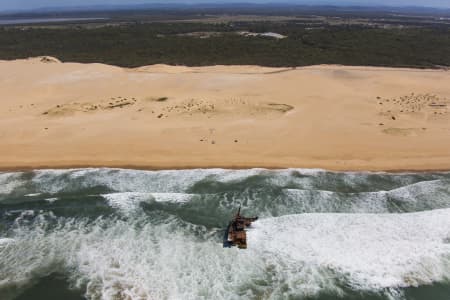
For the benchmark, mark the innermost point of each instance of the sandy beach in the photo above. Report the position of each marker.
(58, 115)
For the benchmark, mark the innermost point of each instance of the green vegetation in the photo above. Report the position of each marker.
(135, 45)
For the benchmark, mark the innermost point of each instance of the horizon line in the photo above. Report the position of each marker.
(137, 5)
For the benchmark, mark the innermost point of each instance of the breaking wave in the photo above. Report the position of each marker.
(126, 234)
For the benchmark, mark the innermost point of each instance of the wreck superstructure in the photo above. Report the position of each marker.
(235, 234)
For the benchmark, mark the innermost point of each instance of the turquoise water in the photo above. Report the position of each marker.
(129, 234)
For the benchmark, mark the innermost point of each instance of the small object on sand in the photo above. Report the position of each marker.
(393, 118)
(45, 113)
(235, 234)
(235, 141)
(160, 116)
(46, 128)
(381, 124)
(213, 142)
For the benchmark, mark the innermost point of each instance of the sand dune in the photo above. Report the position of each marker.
(55, 114)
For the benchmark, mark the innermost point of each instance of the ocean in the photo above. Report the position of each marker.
(104, 233)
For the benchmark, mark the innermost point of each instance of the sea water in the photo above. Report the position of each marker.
(129, 234)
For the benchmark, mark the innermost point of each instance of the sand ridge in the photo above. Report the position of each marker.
(57, 114)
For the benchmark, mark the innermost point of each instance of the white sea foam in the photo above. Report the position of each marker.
(5, 241)
(413, 197)
(288, 256)
(294, 255)
(374, 251)
(172, 197)
(179, 181)
(326, 201)
(51, 200)
(124, 180)
(129, 202)
(126, 202)
(223, 175)
(431, 192)
(307, 190)
(9, 182)
(120, 180)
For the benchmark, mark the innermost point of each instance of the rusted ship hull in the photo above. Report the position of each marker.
(235, 234)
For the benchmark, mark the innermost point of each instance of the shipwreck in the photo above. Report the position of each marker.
(235, 234)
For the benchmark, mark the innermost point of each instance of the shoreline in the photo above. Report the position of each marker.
(224, 167)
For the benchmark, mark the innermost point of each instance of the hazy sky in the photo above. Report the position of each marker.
(30, 4)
